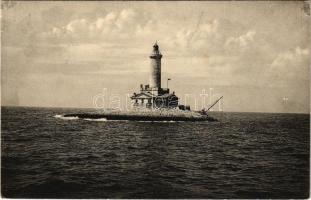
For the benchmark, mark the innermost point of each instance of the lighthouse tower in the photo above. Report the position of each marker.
(155, 68)
(153, 95)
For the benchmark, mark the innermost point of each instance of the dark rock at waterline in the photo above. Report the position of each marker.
(142, 117)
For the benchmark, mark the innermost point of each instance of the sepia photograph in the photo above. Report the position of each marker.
(155, 99)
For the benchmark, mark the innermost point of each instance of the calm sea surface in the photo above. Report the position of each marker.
(245, 155)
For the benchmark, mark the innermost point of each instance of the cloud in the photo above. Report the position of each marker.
(234, 54)
(194, 39)
(298, 55)
(224, 47)
(217, 37)
(109, 28)
(241, 42)
(292, 64)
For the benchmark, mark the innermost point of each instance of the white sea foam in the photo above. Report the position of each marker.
(160, 121)
(96, 120)
(105, 119)
(65, 118)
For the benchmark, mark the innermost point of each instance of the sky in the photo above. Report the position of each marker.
(63, 54)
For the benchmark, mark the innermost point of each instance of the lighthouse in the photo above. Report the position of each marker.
(153, 95)
(155, 68)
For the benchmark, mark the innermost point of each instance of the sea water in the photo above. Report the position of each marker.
(244, 155)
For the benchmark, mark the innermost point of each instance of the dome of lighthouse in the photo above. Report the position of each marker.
(155, 46)
(156, 51)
